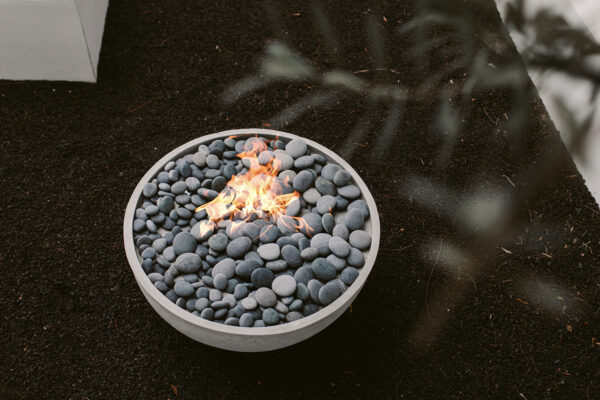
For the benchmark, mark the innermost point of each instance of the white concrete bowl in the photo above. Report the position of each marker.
(236, 338)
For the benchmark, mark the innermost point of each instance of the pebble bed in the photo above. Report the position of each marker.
(266, 271)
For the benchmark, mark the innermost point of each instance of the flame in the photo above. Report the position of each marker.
(256, 194)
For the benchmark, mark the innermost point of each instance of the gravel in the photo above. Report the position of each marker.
(262, 270)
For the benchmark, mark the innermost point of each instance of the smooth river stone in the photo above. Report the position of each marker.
(320, 241)
(284, 285)
(188, 263)
(296, 148)
(323, 269)
(266, 297)
(303, 181)
(269, 251)
(326, 204)
(354, 219)
(325, 187)
(226, 267)
(342, 178)
(350, 192)
(339, 246)
(328, 172)
(238, 247)
(184, 242)
(360, 239)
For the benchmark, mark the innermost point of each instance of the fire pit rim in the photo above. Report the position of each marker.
(148, 289)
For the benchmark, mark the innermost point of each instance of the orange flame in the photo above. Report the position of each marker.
(257, 192)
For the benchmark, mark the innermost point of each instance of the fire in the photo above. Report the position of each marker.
(258, 193)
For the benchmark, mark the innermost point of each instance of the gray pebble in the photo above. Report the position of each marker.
(323, 269)
(220, 281)
(169, 253)
(339, 246)
(173, 175)
(320, 241)
(313, 288)
(245, 268)
(342, 178)
(235, 230)
(291, 255)
(208, 313)
(296, 305)
(155, 277)
(270, 316)
(251, 230)
(326, 204)
(208, 194)
(341, 203)
(304, 162)
(261, 277)
(296, 148)
(325, 187)
(192, 184)
(311, 224)
(302, 292)
(356, 258)
(163, 177)
(226, 267)
(218, 242)
(304, 274)
(311, 196)
(151, 253)
(276, 265)
(188, 263)
(302, 181)
(246, 320)
(354, 219)
(328, 222)
(165, 204)
(265, 157)
(221, 313)
(171, 295)
(249, 303)
(293, 208)
(232, 321)
(349, 275)
(309, 254)
(240, 291)
(281, 308)
(212, 161)
(139, 225)
(269, 233)
(151, 210)
(329, 292)
(266, 297)
(150, 189)
(361, 205)
(360, 239)
(341, 230)
(328, 172)
(178, 187)
(201, 304)
(202, 292)
(269, 251)
(183, 288)
(199, 159)
(259, 323)
(184, 243)
(284, 285)
(218, 183)
(350, 192)
(337, 262)
(286, 160)
(238, 247)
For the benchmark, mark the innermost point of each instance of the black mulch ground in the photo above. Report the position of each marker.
(75, 325)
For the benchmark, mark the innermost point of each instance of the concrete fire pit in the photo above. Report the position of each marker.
(239, 338)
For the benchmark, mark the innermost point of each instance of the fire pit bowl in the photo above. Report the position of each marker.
(237, 338)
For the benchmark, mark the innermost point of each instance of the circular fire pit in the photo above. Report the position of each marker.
(212, 267)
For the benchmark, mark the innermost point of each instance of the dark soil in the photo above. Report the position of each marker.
(76, 326)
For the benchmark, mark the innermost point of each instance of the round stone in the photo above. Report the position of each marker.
(216, 294)
(276, 265)
(249, 303)
(329, 292)
(337, 262)
(325, 187)
(354, 219)
(150, 189)
(341, 230)
(246, 320)
(265, 297)
(201, 304)
(311, 224)
(296, 148)
(323, 269)
(218, 242)
(302, 292)
(349, 275)
(220, 282)
(165, 204)
(356, 258)
(339, 246)
(240, 291)
(151, 253)
(188, 263)
(245, 268)
(284, 285)
(291, 255)
(313, 289)
(218, 183)
(350, 192)
(293, 316)
(311, 196)
(183, 288)
(320, 241)
(238, 247)
(304, 274)
(302, 181)
(184, 243)
(192, 183)
(328, 172)
(151, 210)
(325, 204)
(309, 254)
(251, 230)
(269, 233)
(360, 239)
(199, 159)
(178, 187)
(226, 267)
(328, 222)
(269, 251)
(342, 178)
(159, 245)
(270, 316)
(293, 208)
(304, 162)
(361, 205)
(262, 277)
(286, 161)
(139, 225)
(212, 161)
